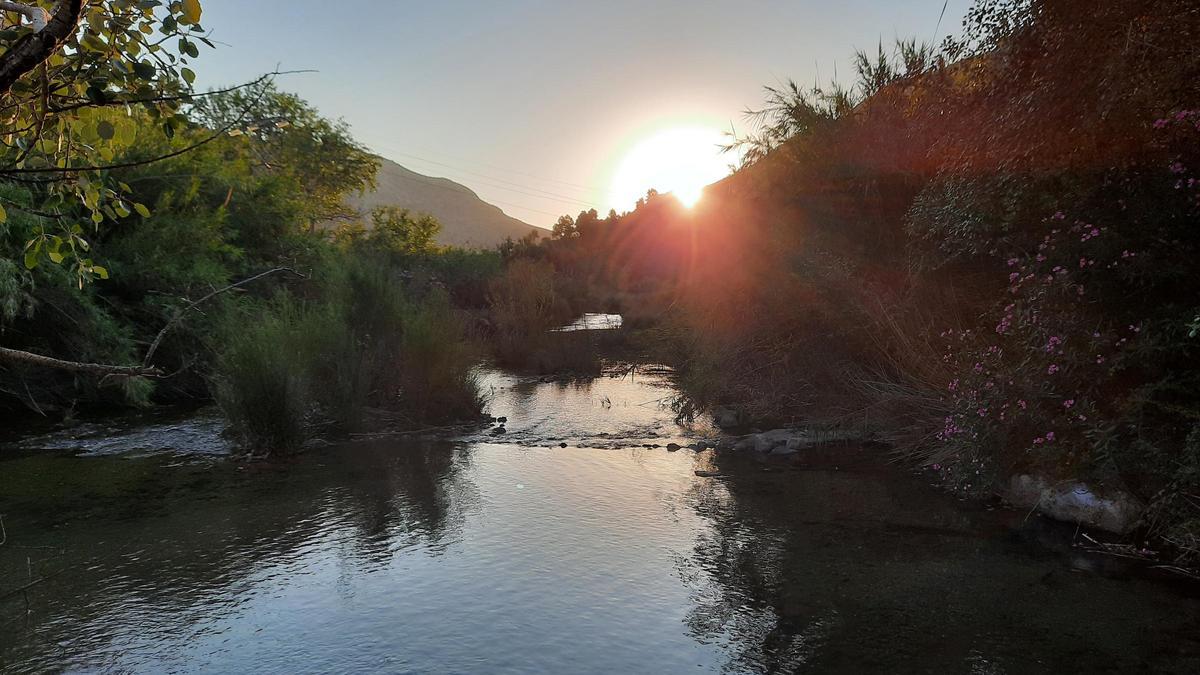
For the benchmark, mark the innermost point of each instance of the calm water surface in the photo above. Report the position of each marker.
(511, 554)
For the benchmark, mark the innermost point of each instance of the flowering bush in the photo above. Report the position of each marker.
(1088, 362)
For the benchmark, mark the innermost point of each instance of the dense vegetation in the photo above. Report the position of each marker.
(276, 300)
(984, 251)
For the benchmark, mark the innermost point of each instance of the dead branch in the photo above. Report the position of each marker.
(184, 310)
(29, 358)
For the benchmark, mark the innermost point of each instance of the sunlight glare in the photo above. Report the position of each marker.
(681, 161)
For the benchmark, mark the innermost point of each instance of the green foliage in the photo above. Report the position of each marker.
(72, 118)
(397, 231)
(280, 133)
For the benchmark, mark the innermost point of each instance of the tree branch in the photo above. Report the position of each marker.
(11, 173)
(184, 310)
(33, 49)
(38, 17)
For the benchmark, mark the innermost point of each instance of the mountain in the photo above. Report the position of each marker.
(466, 219)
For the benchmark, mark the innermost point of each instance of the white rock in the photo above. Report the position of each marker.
(1074, 502)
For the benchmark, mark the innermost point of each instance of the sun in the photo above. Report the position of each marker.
(680, 160)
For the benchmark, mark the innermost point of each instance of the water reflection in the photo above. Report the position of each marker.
(621, 408)
(479, 556)
(128, 541)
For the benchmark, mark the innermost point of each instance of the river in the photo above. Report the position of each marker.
(512, 554)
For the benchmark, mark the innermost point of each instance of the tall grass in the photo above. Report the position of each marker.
(365, 348)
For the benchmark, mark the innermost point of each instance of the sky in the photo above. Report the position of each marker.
(534, 104)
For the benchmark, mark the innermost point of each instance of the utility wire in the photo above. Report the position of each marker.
(498, 183)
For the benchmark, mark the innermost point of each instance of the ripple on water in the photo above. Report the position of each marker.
(482, 556)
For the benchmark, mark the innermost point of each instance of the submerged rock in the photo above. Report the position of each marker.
(674, 447)
(792, 441)
(707, 474)
(1075, 502)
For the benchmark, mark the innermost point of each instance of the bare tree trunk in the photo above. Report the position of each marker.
(17, 356)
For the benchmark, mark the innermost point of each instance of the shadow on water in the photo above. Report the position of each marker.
(845, 567)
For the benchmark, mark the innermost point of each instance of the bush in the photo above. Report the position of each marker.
(364, 347)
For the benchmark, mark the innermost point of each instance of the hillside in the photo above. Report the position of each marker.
(466, 219)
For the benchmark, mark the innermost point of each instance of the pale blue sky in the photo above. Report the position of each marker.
(532, 102)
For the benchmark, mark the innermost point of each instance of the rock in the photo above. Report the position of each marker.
(674, 447)
(769, 440)
(699, 447)
(744, 444)
(1075, 502)
(707, 474)
(562, 445)
(502, 420)
(499, 430)
(727, 418)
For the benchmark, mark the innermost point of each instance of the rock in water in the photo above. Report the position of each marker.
(674, 447)
(1075, 502)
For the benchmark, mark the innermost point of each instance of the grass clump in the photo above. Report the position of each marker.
(367, 351)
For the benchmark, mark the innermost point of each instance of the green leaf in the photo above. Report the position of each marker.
(189, 48)
(142, 210)
(100, 271)
(56, 257)
(145, 70)
(31, 258)
(3, 214)
(191, 10)
(188, 74)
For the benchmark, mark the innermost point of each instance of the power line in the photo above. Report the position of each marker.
(429, 182)
(519, 188)
(505, 170)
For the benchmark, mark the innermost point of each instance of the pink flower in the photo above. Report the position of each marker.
(1069, 403)
(1052, 369)
(1049, 436)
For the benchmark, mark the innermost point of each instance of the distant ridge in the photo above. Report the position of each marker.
(466, 219)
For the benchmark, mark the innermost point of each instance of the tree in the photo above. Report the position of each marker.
(397, 230)
(564, 228)
(283, 134)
